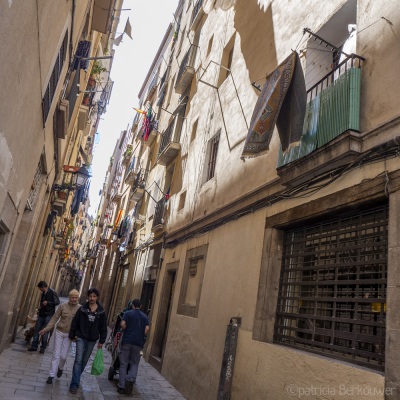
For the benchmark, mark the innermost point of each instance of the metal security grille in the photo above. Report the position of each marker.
(54, 78)
(332, 295)
(37, 181)
(212, 161)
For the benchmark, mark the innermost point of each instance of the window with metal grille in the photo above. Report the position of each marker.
(37, 181)
(212, 156)
(332, 292)
(54, 78)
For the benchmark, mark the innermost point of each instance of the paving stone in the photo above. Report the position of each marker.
(23, 376)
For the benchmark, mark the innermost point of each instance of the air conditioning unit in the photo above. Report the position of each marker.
(62, 117)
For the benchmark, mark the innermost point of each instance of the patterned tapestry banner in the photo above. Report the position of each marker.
(268, 107)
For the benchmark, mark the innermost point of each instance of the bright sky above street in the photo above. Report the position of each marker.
(149, 20)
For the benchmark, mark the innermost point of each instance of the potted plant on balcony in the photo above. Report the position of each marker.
(62, 194)
(86, 99)
(92, 82)
(96, 70)
(128, 151)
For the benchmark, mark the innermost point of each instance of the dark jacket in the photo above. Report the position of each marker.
(52, 301)
(89, 325)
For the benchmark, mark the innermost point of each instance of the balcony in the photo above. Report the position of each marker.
(169, 146)
(138, 186)
(102, 15)
(131, 173)
(135, 122)
(152, 88)
(164, 79)
(153, 133)
(60, 201)
(333, 110)
(126, 157)
(158, 221)
(197, 15)
(116, 196)
(186, 70)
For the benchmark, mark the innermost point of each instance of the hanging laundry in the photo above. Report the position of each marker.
(128, 28)
(117, 41)
(146, 127)
(268, 107)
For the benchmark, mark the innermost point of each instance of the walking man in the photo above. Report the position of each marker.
(135, 325)
(88, 326)
(48, 302)
(63, 317)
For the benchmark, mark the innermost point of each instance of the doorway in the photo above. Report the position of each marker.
(147, 296)
(164, 314)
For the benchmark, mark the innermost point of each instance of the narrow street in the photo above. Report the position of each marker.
(23, 376)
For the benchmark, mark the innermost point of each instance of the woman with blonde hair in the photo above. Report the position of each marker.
(63, 315)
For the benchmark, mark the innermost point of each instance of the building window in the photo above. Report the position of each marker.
(212, 152)
(171, 88)
(194, 130)
(192, 281)
(320, 62)
(332, 290)
(181, 41)
(54, 78)
(182, 200)
(35, 187)
(210, 43)
(226, 60)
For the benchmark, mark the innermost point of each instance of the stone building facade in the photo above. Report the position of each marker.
(50, 109)
(291, 244)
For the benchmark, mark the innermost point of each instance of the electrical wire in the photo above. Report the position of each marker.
(303, 190)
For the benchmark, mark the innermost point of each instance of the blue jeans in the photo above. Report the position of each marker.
(84, 349)
(41, 322)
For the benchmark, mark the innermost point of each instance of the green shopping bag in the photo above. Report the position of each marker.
(98, 363)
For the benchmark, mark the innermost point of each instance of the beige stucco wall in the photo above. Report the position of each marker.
(264, 371)
(265, 34)
(280, 28)
(32, 33)
(189, 337)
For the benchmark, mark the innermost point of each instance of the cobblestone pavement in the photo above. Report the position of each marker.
(23, 376)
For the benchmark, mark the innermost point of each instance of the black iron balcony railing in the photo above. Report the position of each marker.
(163, 78)
(153, 84)
(159, 213)
(140, 181)
(352, 61)
(186, 70)
(333, 107)
(187, 61)
(196, 9)
(166, 137)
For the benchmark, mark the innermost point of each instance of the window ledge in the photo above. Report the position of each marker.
(340, 151)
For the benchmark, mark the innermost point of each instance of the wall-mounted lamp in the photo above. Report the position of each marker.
(80, 175)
